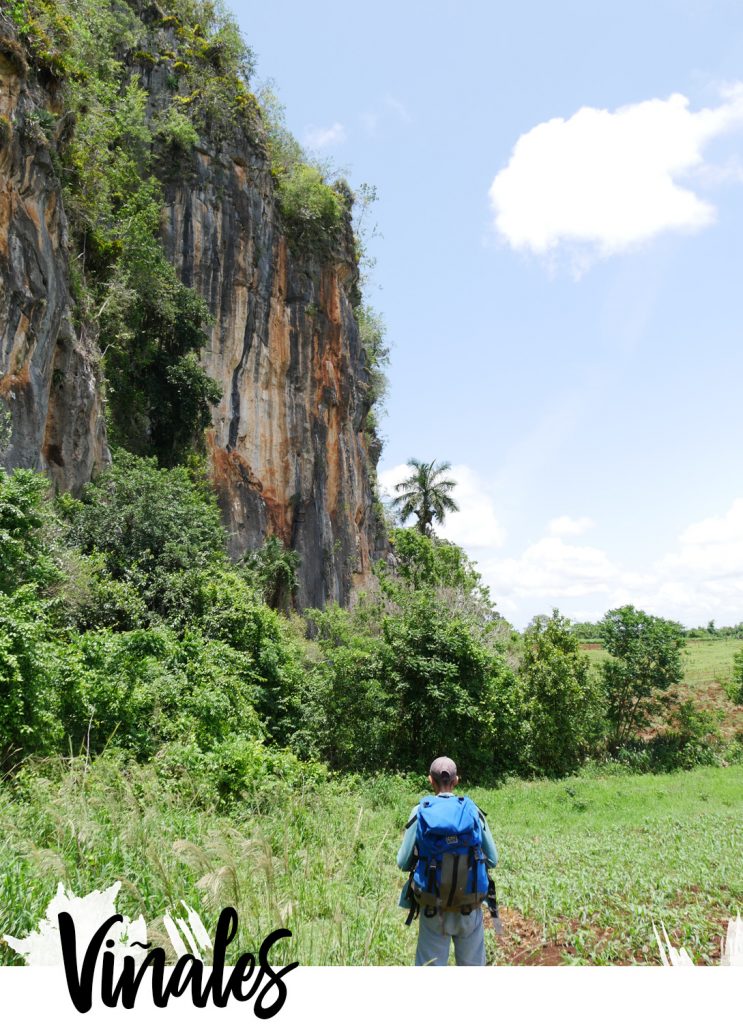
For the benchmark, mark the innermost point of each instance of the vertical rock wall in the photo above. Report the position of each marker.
(49, 381)
(287, 446)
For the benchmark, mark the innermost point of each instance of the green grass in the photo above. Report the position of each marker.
(586, 864)
(708, 666)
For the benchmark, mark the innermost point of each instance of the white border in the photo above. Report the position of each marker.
(606, 995)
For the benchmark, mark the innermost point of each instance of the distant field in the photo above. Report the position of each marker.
(586, 864)
(708, 665)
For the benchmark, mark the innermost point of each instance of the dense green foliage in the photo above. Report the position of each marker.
(735, 686)
(124, 623)
(645, 663)
(313, 210)
(563, 699)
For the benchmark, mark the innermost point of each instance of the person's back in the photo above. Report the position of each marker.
(438, 925)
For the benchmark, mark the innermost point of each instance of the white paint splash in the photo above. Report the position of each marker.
(42, 948)
(732, 947)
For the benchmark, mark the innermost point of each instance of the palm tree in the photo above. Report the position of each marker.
(425, 494)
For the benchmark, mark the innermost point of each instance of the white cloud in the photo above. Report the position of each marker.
(566, 526)
(700, 579)
(603, 181)
(711, 551)
(476, 525)
(319, 138)
(552, 569)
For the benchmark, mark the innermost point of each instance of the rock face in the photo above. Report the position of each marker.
(287, 447)
(49, 381)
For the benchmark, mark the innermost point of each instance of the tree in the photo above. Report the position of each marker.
(274, 569)
(429, 562)
(24, 552)
(645, 663)
(425, 494)
(149, 524)
(563, 705)
(735, 685)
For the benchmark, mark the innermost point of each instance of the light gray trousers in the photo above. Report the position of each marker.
(436, 933)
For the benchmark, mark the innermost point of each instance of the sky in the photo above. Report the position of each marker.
(558, 261)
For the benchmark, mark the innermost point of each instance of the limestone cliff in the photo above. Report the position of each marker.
(287, 447)
(49, 378)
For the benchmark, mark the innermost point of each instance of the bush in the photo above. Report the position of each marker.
(274, 569)
(148, 524)
(141, 689)
(24, 553)
(313, 211)
(28, 699)
(176, 130)
(563, 700)
(734, 686)
(645, 663)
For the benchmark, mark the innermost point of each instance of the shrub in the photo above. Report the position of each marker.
(28, 700)
(144, 688)
(313, 211)
(645, 662)
(24, 553)
(274, 569)
(562, 697)
(148, 524)
(176, 130)
(734, 686)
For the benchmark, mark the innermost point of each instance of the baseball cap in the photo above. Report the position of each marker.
(443, 769)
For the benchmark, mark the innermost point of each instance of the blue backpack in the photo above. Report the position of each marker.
(451, 872)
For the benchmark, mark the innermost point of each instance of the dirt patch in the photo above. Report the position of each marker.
(523, 942)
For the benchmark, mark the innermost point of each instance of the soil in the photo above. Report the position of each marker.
(522, 943)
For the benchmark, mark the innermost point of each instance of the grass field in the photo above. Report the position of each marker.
(708, 665)
(586, 864)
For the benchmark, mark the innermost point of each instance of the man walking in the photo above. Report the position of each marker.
(438, 926)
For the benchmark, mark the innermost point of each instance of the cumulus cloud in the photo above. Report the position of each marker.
(566, 526)
(603, 181)
(552, 569)
(319, 138)
(700, 578)
(476, 525)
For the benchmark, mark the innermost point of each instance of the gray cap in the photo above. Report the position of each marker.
(443, 769)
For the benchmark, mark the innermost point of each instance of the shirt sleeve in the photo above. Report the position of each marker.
(405, 855)
(488, 844)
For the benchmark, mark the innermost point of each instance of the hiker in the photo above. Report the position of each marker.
(447, 848)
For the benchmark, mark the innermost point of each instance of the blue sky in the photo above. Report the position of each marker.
(569, 338)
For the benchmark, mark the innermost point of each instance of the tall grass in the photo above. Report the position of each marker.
(589, 861)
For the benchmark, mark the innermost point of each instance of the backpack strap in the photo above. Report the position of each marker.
(414, 904)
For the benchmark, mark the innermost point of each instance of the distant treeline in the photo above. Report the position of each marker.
(590, 632)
